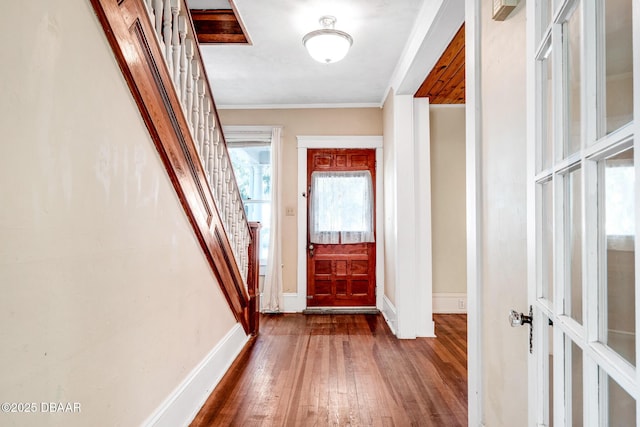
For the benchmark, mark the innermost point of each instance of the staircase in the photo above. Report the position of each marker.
(156, 47)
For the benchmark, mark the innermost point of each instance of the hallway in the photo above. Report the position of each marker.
(344, 370)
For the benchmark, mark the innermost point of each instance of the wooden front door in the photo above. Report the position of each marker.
(341, 234)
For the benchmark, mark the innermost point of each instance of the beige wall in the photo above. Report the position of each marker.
(448, 207)
(389, 199)
(296, 122)
(504, 273)
(106, 297)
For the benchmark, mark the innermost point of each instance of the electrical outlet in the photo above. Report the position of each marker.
(461, 304)
(289, 211)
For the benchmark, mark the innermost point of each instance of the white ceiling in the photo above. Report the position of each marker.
(277, 71)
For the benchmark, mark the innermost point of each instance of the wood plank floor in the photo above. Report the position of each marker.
(343, 370)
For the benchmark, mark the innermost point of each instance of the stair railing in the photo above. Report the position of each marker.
(175, 99)
(175, 33)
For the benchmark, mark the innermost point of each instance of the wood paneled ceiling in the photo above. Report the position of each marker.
(445, 83)
(215, 26)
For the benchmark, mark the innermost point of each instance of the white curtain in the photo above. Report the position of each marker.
(272, 287)
(341, 207)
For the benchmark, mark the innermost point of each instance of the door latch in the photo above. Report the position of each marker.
(311, 247)
(519, 319)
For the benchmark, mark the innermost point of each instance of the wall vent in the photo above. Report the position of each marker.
(502, 8)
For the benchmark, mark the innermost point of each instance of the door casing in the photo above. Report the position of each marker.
(298, 302)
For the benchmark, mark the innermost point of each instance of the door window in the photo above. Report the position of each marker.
(341, 208)
(617, 254)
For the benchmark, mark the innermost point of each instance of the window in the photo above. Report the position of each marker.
(252, 166)
(341, 207)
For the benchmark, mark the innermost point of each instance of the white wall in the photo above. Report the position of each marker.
(389, 200)
(448, 198)
(106, 297)
(503, 265)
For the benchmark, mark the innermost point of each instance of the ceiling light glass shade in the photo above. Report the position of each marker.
(327, 45)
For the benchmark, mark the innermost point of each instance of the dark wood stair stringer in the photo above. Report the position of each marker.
(137, 51)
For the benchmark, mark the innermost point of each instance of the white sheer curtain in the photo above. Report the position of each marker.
(272, 287)
(341, 207)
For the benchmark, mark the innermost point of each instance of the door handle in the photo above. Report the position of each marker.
(519, 319)
(311, 250)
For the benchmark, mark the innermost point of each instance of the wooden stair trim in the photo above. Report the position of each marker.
(134, 44)
(218, 26)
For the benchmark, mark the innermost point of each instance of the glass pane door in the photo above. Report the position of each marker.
(584, 205)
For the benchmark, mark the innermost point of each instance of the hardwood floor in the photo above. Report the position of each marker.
(343, 370)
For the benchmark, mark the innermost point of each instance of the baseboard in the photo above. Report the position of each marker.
(291, 303)
(341, 310)
(390, 314)
(449, 303)
(183, 404)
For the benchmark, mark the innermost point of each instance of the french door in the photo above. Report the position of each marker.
(584, 204)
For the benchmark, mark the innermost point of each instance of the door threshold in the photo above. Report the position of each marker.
(340, 310)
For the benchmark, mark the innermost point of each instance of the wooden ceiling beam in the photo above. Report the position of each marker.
(445, 82)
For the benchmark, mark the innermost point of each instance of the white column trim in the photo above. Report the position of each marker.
(473, 119)
(298, 302)
(413, 298)
(425, 326)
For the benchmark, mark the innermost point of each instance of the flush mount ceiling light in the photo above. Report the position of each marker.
(328, 44)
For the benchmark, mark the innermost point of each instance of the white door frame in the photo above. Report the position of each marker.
(298, 302)
(473, 121)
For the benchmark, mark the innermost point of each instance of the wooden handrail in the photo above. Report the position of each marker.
(192, 147)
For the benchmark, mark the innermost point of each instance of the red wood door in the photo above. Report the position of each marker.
(340, 273)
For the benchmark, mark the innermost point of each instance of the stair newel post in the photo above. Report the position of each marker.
(175, 43)
(195, 114)
(253, 277)
(182, 76)
(248, 241)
